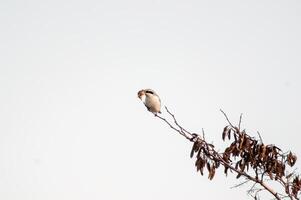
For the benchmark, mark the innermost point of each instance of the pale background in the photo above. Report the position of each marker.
(72, 127)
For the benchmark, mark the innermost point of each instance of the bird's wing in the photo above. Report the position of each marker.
(150, 91)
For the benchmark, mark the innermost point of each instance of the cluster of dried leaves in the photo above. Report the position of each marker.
(206, 156)
(246, 153)
(250, 153)
(246, 157)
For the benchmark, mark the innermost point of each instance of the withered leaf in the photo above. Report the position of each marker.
(289, 175)
(194, 149)
(242, 140)
(211, 173)
(235, 137)
(270, 175)
(236, 129)
(242, 166)
(208, 166)
(200, 163)
(229, 135)
(237, 164)
(224, 133)
(226, 170)
(291, 159)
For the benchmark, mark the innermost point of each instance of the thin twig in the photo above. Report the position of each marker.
(171, 126)
(260, 137)
(240, 184)
(227, 118)
(240, 119)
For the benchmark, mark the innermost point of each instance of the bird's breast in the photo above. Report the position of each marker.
(143, 99)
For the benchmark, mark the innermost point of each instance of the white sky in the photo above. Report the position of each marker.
(72, 125)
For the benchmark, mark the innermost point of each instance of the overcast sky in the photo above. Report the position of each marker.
(72, 126)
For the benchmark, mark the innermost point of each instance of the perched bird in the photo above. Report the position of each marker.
(151, 100)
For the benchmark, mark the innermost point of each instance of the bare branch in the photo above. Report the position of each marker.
(227, 118)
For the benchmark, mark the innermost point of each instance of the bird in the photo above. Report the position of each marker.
(151, 100)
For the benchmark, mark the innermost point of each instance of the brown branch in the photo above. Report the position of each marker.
(264, 161)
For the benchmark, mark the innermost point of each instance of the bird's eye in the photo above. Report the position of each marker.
(150, 92)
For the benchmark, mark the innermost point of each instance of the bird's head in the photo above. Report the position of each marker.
(141, 93)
